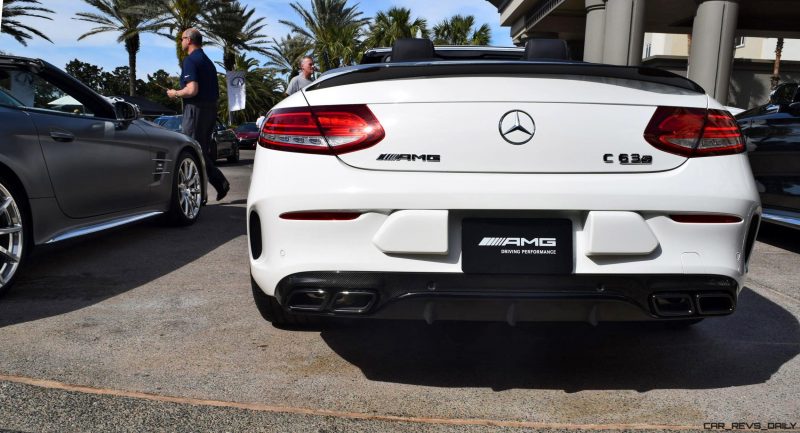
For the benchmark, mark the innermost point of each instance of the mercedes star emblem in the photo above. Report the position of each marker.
(517, 127)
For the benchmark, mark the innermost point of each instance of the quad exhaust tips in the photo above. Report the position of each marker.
(322, 300)
(684, 305)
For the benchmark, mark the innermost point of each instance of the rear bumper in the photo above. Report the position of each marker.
(610, 215)
(509, 298)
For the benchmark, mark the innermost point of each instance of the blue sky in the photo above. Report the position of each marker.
(158, 52)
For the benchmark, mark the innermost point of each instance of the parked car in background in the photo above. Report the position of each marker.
(73, 162)
(224, 143)
(247, 133)
(772, 134)
(499, 184)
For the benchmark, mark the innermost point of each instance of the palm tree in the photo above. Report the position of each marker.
(125, 17)
(458, 30)
(13, 9)
(180, 15)
(394, 24)
(776, 66)
(335, 29)
(285, 55)
(346, 47)
(229, 27)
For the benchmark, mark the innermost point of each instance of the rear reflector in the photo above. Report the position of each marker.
(706, 219)
(320, 216)
(694, 132)
(329, 130)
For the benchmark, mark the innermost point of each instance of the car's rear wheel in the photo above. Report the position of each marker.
(272, 311)
(187, 190)
(234, 153)
(13, 233)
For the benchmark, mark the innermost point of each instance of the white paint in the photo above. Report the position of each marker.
(413, 231)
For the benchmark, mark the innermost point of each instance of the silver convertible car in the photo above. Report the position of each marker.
(73, 162)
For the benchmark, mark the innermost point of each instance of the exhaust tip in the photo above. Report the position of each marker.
(672, 304)
(353, 301)
(308, 300)
(714, 303)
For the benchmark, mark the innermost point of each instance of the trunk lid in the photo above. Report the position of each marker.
(511, 124)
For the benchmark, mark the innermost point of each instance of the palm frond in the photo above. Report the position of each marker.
(12, 9)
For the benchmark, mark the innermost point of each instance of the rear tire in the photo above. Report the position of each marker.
(272, 311)
(187, 191)
(14, 233)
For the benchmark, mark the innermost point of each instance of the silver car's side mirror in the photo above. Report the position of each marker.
(126, 111)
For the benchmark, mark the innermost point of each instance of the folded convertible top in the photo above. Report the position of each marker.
(393, 71)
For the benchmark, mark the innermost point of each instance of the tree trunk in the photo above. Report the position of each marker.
(229, 59)
(132, 47)
(776, 67)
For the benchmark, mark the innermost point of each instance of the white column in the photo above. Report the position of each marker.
(624, 32)
(711, 55)
(595, 31)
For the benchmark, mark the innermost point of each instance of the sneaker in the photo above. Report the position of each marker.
(224, 191)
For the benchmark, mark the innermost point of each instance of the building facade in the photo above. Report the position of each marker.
(732, 45)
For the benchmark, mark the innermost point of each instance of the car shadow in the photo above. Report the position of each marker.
(744, 348)
(75, 274)
(780, 237)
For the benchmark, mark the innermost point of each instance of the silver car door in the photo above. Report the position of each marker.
(97, 165)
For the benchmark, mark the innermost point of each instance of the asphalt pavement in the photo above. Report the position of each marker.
(153, 328)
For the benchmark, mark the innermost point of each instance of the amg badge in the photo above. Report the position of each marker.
(409, 157)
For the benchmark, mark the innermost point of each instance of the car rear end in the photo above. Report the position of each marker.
(247, 134)
(501, 191)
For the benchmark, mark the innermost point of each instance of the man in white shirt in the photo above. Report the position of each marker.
(260, 121)
(304, 78)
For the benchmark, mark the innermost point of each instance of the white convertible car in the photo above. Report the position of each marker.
(501, 184)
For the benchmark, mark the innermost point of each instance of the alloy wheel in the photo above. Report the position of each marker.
(189, 189)
(11, 236)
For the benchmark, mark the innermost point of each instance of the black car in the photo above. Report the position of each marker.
(224, 143)
(772, 132)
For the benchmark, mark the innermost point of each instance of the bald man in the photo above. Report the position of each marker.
(200, 91)
(304, 78)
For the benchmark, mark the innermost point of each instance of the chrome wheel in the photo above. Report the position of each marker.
(189, 189)
(11, 236)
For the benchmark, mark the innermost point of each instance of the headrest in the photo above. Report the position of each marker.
(546, 49)
(412, 49)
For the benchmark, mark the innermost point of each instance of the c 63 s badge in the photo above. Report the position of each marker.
(628, 159)
(409, 157)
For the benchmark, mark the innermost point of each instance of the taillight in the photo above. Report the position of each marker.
(330, 130)
(694, 132)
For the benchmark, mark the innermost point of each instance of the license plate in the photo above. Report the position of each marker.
(516, 246)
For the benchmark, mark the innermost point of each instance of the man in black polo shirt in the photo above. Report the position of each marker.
(200, 91)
